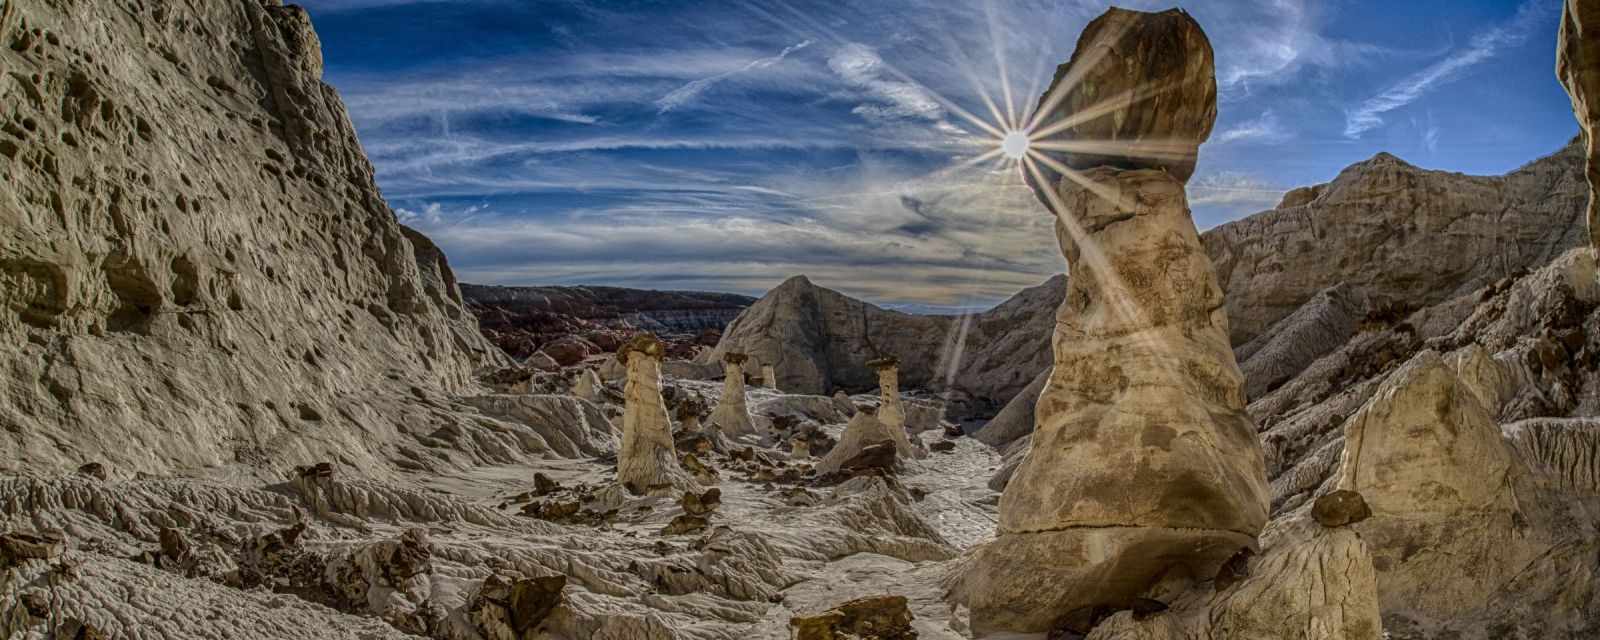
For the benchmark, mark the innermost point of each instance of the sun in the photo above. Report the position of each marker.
(1015, 145)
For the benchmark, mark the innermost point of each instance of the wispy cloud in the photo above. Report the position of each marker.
(1230, 194)
(860, 66)
(689, 92)
(1263, 128)
(1369, 114)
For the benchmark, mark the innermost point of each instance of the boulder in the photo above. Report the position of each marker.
(570, 350)
(863, 431)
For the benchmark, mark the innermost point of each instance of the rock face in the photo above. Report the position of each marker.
(1578, 67)
(1143, 464)
(648, 461)
(1397, 237)
(819, 341)
(192, 249)
(732, 415)
(1154, 72)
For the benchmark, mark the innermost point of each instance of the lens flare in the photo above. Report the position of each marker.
(1015, 145)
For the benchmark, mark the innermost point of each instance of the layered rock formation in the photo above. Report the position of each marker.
(196, 269)
(1397, 237)
(1578, 67)
(1143, 465)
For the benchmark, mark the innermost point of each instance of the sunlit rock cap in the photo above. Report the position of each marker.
(643, 343)
(1140, 92)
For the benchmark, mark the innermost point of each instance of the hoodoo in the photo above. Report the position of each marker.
(648, 461)
(1144, 465)
(891, 412)
(732, 415)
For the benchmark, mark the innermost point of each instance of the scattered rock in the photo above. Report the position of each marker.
(17, 546)
(543, 485)
(1340, 508)
(517, 605)
(684, 524)
(700, 504)
(318, 470)
(877, 618)
(94, 470)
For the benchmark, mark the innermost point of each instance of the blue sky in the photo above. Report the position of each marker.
(729, 145)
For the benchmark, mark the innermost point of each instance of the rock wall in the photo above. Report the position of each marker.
(1397, 236)
(197, 271)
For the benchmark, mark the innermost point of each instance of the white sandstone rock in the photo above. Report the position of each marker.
(648, 461)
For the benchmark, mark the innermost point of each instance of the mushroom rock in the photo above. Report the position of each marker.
(587, 386)
(864, 430)
(648, 461)
(799, 449)
(1138, 93)
(1578, 67)
(769, 377)
(891, 412)
(731, 414)
(1144, 466)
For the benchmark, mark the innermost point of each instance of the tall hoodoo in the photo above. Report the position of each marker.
(1144, 465)
(732, 416)
(891, 412)
(1578, 66)
(648, 461)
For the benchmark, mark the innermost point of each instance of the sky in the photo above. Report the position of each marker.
(727, 146)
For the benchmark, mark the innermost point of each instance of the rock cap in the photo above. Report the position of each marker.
(644, 343)
(883, 362)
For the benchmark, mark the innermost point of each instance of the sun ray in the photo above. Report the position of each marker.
(1010, 120)
(1097, 52)
(1120, 101)
(965, 65)
(1073, 175)
(1113, 290)
(887, 66)
(1171, 150)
